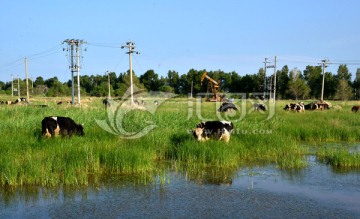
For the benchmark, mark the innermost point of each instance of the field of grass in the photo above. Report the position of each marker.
(280, 138)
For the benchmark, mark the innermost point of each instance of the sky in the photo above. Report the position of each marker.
(227, 35)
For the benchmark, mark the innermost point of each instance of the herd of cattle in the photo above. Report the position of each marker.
(9, 102)
(219, 130)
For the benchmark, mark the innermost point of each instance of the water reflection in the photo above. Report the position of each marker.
(260, 191)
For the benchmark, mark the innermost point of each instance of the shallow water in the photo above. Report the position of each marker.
(252, 192)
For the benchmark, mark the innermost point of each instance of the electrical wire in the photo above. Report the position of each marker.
(101, 45)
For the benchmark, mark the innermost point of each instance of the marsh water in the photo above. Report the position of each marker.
(317, 191)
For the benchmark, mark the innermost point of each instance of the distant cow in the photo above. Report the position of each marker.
(311, 106)
(57, 125)
(298, 107)
(219, 130)
(106, 102)
(225, 107)
(355, 108)
(260, 106)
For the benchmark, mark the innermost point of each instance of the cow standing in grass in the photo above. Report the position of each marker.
(227, 107)
(57, 125)
(259, 107)
(218, 130)
(355, 109)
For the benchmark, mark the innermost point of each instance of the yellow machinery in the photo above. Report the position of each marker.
(213, 87)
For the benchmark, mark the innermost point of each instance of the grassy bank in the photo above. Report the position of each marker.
(26, 158)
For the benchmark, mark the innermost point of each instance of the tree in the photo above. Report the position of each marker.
(173, 80)
(39, 81)
(343, 73)
(297, 86)
(124, 83)
(282, 82)
(313, 76)
(356, 84)
(150, 80)
(344, 91)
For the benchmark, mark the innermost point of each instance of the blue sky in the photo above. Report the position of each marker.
(230, 35)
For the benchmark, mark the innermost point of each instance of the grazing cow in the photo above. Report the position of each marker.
(355, 109)
(106, 102)
(57, 125)
(219, 130)
(323, 106)
(311, 106)
(260, 106)
(298, 107)
(64, 102)
(225, 107)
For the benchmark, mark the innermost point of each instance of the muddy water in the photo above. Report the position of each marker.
(256, 192)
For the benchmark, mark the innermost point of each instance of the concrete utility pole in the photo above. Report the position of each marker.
(265, 62)
(72, 43)
(274, 80)
(324, 64)
(27, 81)
(273, 84)
(131, 46)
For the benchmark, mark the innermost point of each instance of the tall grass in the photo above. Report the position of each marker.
(26, 158)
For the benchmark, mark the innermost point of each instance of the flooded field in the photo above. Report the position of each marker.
(252, 192)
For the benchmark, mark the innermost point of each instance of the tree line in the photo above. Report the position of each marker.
(291, 84)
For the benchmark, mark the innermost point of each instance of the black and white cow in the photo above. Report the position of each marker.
(226, 106)
(259, 107)
(298, 107)
(106, 102)
(57, 125)
(219, 130)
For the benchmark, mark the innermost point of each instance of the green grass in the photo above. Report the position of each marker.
(26, 158)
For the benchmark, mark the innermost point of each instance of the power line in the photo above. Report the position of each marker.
(107, 46)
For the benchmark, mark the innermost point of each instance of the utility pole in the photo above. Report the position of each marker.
(273, 83)
(274, 80)
(265, 62)
(27, 81)
(131, 46)
(192, 88)
(72, 43)
(324, 64)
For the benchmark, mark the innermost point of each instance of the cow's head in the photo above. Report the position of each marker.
(198, 134)
(80, 130)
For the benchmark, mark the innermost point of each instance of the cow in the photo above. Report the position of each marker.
(226, 106)
(298, 107)
(218, 130)
(355, 109)
(106, 102)
(260, 107)
(311, 106)
(56, 125)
